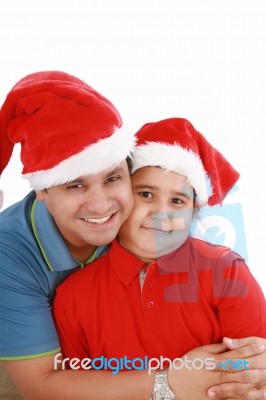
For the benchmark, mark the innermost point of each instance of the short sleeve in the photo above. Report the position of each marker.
(240, 305)
(27, 328)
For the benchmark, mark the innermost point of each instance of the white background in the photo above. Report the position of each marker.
(199, 59)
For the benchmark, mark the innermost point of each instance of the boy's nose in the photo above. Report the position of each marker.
(173, 224)
(168, 221)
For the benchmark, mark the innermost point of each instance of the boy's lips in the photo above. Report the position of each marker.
(154, 230)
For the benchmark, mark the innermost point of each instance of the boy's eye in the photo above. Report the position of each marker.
(147, 195)
(177, 201)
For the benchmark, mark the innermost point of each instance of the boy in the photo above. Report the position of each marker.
(159, 292)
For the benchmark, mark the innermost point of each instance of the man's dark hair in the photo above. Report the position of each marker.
(129, 163)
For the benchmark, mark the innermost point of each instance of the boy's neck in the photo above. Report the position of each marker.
(145, 260)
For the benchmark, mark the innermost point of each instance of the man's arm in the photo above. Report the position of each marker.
(38, 380)
(256, 374)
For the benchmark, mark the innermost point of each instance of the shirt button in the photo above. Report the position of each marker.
(150, 304)
(149, 285)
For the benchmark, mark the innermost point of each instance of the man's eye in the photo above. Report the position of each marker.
(75, 186)
(113, 178)
(147, 195)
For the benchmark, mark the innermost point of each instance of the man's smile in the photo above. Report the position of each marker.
(98, 220)
(93, 221)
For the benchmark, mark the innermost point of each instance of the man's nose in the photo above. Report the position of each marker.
(97, 201)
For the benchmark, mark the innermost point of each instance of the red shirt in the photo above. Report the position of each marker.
(194, 296)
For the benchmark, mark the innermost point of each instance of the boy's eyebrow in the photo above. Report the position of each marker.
(184, 193)
(145, 187)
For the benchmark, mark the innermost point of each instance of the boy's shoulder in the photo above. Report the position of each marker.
(210, 252)
(196, 254)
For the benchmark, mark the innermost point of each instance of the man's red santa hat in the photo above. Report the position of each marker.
(175, 145)
(66, 129)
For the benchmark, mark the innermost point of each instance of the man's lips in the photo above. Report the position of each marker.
(99, 221)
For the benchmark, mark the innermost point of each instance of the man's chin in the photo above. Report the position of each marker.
(103, 240)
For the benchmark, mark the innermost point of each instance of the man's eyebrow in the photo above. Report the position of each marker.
(114, 171)
(77, 180)
(82, 180)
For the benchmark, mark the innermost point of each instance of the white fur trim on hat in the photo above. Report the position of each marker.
(95, 158)
(177, 159)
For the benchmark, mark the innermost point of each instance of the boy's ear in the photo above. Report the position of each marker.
(196, 209)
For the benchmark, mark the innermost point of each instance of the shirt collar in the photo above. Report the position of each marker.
(177, 261)
(51, 242)
(127, 266)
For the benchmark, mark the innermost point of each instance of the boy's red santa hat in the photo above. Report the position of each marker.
(175, 145)
(66, 129)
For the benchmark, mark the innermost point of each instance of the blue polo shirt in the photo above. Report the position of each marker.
(34, 259)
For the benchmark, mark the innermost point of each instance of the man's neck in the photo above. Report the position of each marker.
(81, 253)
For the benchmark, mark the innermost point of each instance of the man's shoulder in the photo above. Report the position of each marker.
(18, 246)
(19, 211)
(15, 224)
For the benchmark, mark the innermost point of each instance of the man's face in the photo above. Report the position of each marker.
(162, 213)
(91, 209)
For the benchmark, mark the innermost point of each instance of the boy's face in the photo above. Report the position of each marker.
(161, 216)
(91, 209)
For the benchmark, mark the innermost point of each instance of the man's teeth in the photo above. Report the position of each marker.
(98, 220)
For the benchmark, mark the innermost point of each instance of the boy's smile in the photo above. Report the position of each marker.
(161, 216)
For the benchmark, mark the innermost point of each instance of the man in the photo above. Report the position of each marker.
(67, 130)
(74, 150)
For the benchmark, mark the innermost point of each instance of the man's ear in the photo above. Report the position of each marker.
(40, 195)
